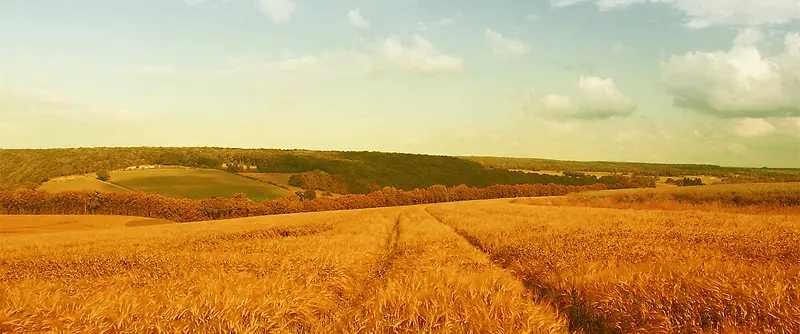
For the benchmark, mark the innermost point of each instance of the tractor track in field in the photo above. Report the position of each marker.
(579, 318)
(383, 268)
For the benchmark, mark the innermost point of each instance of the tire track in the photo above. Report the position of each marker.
(391, 249)
(541, 292)
(386, 264)
(466, 236)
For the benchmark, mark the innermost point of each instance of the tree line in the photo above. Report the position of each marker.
(685, 182)
(727, 174)
(34, 202)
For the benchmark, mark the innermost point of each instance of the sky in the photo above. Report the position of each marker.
(674, 81)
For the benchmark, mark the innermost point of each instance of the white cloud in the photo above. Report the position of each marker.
(193, 2)
(786, 126)
(156, 71)
(748, 36)
(753, 127)
(737, 148)
(279, 11)
(443, 22)
(740, 82)
(294, 72)
(597, 99)
(505, 47)
(560, 128)
(565, 3)
(706, 13)
(419, 55)
(51, 103)
(326, 61)
(355, 19)
(620, 48)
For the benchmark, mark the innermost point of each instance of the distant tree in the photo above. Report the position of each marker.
(240, 196)
(691, 182)
(310, 194)
(307, 194)
(208, 162)
(103, 175)
(232, 168)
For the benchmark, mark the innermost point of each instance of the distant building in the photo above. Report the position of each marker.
(141, 167)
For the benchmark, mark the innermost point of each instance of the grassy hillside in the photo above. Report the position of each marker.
(191, 183)
(195, 183)
(468, 267)
(80, 182)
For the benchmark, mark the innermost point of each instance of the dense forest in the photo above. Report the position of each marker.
(728, 174)
(341, 172)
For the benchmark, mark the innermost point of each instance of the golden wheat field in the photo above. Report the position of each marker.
(490, 266)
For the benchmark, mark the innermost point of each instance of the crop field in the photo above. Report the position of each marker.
(35, 224)
(191, 183)
(282, 180)
(752, 198)
(279, 179)
(195, 183)
(80, 182)
(477, 266)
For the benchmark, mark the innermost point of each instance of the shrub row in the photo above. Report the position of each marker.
(25, 201)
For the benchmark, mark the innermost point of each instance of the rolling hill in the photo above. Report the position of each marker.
(353, 172)
(81, 182)
(191, 183)
(356, 172)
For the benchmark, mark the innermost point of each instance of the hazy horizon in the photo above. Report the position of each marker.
(668, 81)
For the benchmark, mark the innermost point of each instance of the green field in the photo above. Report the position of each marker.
(282, 180)
(195, 183)
(279, 179)
(191, 183)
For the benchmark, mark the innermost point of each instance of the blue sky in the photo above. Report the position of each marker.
(685, 81)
